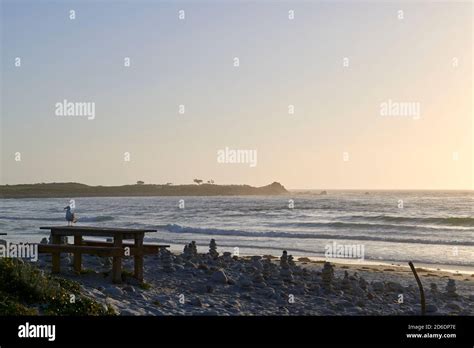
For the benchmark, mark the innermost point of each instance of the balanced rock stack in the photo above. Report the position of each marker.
(258, 279)
(267, 269)
(451, 288)
(285, 271)
(327, 275)
(190, 250)
(167, 261)
(346, 284)
(291, 261)
(213, 249)
(227, 256)
(362, 283)
(257, 263)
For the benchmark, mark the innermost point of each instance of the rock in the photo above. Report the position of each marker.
(451, 288)
(285, 272)
(106, 262)
(196, 301)
(167, 261)
(113, 291)
(453, 306)
(205, 289)
(358, 292)
(190, 264)
(304, 259)
(284, 259)
(431, 308)
(346, 284)
(244, 282)
(213, 249)
(129, 288)
(190, 250)
(132, 312)
(203, 266)
(267, 269)
(396, 287)
(257, 263)
(362, 283)
(327, 276)
(178, 267)
(219, 277)
(270, 292)
(291, 261)
(258, 279)
(378, 286)
(227, 256)
(112, 304)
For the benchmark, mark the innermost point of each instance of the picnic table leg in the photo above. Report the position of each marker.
(77, 255)
(117, 261)
(139, 258)
(56, 257)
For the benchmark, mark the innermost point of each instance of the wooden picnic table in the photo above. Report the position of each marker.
(116, 248)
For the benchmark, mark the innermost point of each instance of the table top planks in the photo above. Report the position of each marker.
(126, 233)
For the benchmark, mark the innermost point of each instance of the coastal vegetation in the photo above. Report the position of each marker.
(71, 189)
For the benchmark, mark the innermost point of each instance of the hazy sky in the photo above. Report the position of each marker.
(336, 138)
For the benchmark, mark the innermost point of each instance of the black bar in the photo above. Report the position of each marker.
(240, 330)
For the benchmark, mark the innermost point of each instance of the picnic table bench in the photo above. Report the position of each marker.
(115, 249)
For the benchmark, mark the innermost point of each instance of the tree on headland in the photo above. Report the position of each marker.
(139, 182)
(198, 181)
(210, 182)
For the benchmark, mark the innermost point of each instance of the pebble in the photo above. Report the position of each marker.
(378, 286)
(219, 277)
(431, 308)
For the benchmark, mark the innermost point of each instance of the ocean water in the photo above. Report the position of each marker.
(434, 228)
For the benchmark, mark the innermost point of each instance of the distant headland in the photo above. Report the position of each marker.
(71, 189)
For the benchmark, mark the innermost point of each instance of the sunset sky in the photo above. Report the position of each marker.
(424, 58)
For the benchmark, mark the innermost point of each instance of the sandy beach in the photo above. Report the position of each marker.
(212, 283)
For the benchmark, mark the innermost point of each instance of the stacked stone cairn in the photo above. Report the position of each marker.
(267, 269)
(291, 261)
(362, 283)
(227, 256)
(327, 275)
(258, 279)
(190, 250)
(346, 284)
(285, 272)
(451, 288)
(213, 249)
(167, 261)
